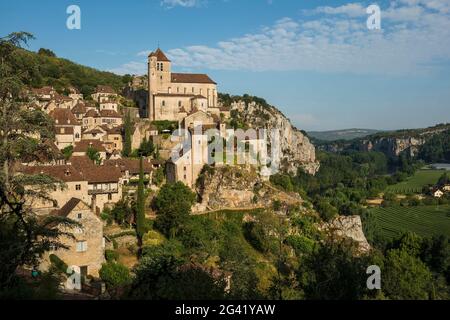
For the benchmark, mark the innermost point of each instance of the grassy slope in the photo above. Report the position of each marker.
(415, 183)
(423, 220)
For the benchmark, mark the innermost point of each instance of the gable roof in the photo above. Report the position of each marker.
(191, 78)
(80, 108)
(160, 56)
(131, 165)
(63, 117)
(109, 114)
(104, 89)
(83, 145)
(92, 113)
(93, 173)
(66, 173)
(67, 208)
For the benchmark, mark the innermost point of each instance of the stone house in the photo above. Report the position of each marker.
(86, 250)
(79, 110)
(67, 126)
(109, 104)
(130, 169)
(103, 93)
(74, 185)
(104, 183)
(81, 148)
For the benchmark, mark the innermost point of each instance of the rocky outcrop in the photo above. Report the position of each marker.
(393, 147)
(226, 187)
(296, 149)
(348, 227)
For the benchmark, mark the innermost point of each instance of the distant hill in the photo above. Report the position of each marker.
(45, 69)
(345, 134)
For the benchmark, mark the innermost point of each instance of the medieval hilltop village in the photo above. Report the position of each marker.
(166, 101)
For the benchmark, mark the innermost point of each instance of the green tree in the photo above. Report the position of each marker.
(173, 205)
(405, 277)
(94, 155)
(128, 126)
(115, 274)
(140, 210)
(23, 237)
(146, 148)
(67, 152)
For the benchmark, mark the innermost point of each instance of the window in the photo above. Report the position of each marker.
(77, 136)
(109, 196)
(80, 215)
(179, 103)
(163, 103)
(184, 168)
(184, 90)
(162, 66)
(192, 89)
(185, 177)
(78, 187)
(81, 246)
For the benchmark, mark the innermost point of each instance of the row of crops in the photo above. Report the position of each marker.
(423, 220)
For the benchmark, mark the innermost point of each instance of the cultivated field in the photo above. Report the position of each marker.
(423, 220)
(415, 183)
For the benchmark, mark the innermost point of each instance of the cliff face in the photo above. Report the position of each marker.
(296, 149)
(392, 144)
(235, 187)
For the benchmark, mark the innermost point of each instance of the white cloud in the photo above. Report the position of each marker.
(414, 36)
(133, 67)
(180, 3)
(351, 9)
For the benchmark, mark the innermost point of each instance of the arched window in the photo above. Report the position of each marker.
(163, 103)
(179, 103)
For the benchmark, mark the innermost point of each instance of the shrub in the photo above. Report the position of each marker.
(115, 274)
(111, 255)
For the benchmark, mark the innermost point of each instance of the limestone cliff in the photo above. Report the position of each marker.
(236, 187)
(348, 227)
(296, 149)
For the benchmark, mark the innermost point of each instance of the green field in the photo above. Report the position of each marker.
(423, 220)
(415, 183)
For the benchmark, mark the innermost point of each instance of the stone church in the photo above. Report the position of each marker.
(173, 96)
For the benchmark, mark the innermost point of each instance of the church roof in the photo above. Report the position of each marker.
(160, 56)
(191, 78)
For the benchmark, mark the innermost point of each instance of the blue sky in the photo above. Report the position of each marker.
(315, 60)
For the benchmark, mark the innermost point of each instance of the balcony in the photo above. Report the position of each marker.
(102, 191)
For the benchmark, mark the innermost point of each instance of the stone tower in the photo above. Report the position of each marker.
(159, 78)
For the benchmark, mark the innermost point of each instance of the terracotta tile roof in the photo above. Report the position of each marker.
(113, 130)
(65, 173)
(160, 56)
(63, 117)
(92, 113)
(83, 145)
(131, 165)
(43, 91)
(104, 89)
(80, 162)
(61, 98)
(101, 174)
(80, 108)
(94, 173)
(67, 208)
(191, 78)
(109, 114)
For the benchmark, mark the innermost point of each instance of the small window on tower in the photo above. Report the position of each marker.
(162, 67)
(163, 103)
